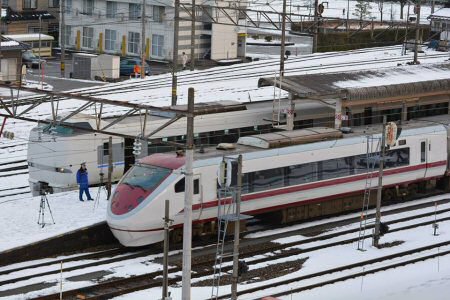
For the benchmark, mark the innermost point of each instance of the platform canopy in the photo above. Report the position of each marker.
(377, 84)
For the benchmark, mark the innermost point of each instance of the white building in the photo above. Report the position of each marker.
(114, 27)
(440, 22)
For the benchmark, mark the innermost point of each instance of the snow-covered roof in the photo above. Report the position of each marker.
(29, 37)
(443, 13)
(376, 83)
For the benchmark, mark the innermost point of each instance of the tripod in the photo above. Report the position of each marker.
(100, 187)
(41, 216)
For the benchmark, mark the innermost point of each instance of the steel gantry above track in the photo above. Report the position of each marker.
(23, 109)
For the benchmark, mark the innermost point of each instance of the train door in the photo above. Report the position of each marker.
(424, 154)
(197, 199)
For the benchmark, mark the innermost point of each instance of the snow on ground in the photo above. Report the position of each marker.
(19, 216)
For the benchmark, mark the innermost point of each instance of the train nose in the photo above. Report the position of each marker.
(126, 198)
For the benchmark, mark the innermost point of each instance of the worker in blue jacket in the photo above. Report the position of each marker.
(83, 181)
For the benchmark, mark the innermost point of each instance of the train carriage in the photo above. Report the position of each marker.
(299, 174)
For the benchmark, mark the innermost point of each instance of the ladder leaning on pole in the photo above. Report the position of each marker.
(372, 156)
(225, 209)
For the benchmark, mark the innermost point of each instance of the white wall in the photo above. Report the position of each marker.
(223, 42)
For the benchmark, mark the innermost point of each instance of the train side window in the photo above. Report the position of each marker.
(105, 149)
(179, 186)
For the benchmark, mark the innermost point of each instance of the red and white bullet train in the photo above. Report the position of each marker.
(281, 172)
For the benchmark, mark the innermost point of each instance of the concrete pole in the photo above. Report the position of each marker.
(237, 229)
(376, 237)
(187, 226)
(166, 251)
(338, 114)
(316, 25)
(416, 43)
(143, 40)
(290, 114)
(62, 39)
(40, 67)
(175, 51)
(192, 67)
(110, 166)
(348, 13)
(283, 38)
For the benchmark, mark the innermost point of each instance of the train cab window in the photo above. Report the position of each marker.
(179, 186)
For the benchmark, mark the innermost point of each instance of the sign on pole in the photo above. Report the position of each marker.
(391, 133)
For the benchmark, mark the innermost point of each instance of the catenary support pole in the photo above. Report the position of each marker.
(416, 42)
(176, 20)
(237, 229)
(62, 38)
(283, 38)
(143, 40)
(110, 165)
(166, 250)
(192, 67)
(316, 25)
(376, 237)
(187, 226)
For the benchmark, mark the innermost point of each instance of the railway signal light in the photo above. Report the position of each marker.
(137, 147)
(228, 171)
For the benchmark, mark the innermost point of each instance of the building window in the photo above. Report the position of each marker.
(134, 11)
(68, 4)
(33, 29)
(111, 9)
(88, 7)
(29, 4)
(5, 3)
(158, 12)
(133, 42)
(67, 35)
(53, 3)
(157, 45)
(110, 39)
(88, 35)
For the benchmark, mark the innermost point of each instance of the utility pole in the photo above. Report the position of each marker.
(348, 13)
(62, 38)
(176, 20)
(166, 251)
(376, 237)
(189, 185)
(316, 25)
(237, 229)
(283, 39)
(110, 166)
(143, 41)
(40, 67)
(192, 67)
(416, 43)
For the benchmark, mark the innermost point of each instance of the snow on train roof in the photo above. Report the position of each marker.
(428, 125)
(368, 84)
(288, 138)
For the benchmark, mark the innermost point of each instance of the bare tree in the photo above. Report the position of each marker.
(380, 9)
(402, 5)
(362, 10)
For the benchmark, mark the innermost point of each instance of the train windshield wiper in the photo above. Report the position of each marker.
(137, 185)
(130, 185)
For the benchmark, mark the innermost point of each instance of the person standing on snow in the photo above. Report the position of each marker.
(184, 60)
(83, 182)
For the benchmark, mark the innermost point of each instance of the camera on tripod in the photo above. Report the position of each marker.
(44, 189)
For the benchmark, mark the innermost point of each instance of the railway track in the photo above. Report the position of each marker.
(265, 252)
(410, 255)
